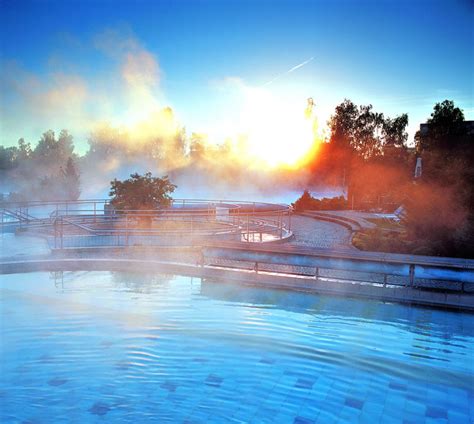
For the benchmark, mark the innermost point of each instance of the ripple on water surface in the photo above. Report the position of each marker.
(95, 346)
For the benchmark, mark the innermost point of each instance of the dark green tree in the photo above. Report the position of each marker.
(367, 138)
(71, 180)
(442, 217)
(445, 129)
(141, 192)
(24, 149)
(394, 140)
(395, 131)
(8, 158)
(46, 146)
(362, 132)
(65, 145)
(51, 153)
(343, 125)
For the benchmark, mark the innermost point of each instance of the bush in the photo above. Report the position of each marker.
(308, 202)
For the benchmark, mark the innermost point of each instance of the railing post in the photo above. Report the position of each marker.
(126, 230)
(62, 233)
(316, 274)
(280, 217)
(412, 275)
(55, 228)
(248, 227)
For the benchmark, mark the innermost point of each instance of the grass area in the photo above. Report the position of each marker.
(388, 236)
(382, 240)
(385, 224)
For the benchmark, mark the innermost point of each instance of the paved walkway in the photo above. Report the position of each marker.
(310, 232)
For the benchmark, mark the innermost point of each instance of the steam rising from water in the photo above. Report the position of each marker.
(129, 128)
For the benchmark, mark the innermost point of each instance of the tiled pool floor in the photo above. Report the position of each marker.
(114, 347)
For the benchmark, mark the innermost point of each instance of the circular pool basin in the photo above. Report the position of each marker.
(137, 348)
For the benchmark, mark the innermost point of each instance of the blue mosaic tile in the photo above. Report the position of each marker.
(99, 408)
(46, 359)
(57, 381)
(415, 407)
(267, 361)
(349, 415)
(436, 412)
(122, 365)
(415, 396)
(457, 417)
(214, 380)
(326, 418)
(303, 420)
(354, 403)
(168, 385)
(385, 419)
(303, 383)
(397, 386)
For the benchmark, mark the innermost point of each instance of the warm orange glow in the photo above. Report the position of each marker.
(266, 131)
(278, 132)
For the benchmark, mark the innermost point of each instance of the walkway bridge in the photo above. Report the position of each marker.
(94, 223)
(229, 236)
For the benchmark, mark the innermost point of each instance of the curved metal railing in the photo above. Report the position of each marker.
(95, 221)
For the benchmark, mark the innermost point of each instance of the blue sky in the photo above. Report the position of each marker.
(401, 56)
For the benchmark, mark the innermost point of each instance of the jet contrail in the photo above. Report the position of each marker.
(289, 71)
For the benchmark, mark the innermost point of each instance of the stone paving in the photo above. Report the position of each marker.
(310, 232)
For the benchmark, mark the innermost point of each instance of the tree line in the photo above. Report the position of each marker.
(47, 171)
(367, 152)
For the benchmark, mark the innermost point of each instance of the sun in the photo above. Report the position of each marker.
(279, 133)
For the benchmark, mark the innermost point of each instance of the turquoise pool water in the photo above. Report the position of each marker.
(112, 347)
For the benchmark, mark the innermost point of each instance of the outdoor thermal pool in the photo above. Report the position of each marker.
(81, 347)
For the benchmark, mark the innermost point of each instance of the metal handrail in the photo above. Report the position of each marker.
(410, 266)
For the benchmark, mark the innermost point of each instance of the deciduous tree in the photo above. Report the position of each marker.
(141, 192)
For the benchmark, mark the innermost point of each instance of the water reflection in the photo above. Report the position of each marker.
(140, 282)
(446, 324)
